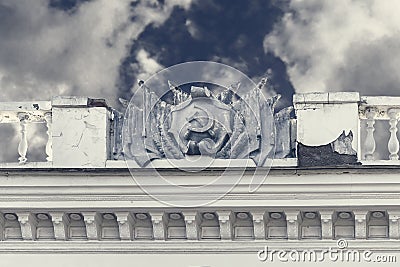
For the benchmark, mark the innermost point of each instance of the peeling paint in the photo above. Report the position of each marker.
(86, 132)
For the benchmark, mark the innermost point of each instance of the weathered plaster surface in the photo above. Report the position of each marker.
(322, 117)
(80, 136)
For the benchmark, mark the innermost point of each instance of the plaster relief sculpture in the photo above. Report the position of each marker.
(200, 122)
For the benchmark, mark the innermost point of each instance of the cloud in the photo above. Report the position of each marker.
(201, 33)
(344, 45)
(46, 51)
(145, 65)
(193, 29)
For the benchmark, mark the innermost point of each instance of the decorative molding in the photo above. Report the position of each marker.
(259, 224)
(360, 224)
(28, 224)
(225, 225)
(185, 247)
(192, 223)
(60, 224)
(394, 224)
(326, 224)
(125, 223)
(157, 218)
(92, 222)
(292, 224)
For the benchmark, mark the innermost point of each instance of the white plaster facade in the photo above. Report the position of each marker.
(83, 209)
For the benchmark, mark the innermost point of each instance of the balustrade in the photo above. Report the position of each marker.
(20, 115)
(377, 108)
(62, 118)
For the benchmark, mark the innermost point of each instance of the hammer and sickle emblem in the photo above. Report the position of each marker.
(202, 121)
(203, 125)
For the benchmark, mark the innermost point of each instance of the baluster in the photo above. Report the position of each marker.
(369, 145)
(23, 143)
(393, 144)
(49, 144)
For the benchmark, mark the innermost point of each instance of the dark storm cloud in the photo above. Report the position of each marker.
(230, 32)
(67, 5)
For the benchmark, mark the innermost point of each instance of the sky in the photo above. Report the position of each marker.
(99, 48)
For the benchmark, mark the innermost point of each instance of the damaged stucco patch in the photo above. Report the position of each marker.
(339, 152)
(321, 117)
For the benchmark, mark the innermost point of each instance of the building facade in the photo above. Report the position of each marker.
(333, 184)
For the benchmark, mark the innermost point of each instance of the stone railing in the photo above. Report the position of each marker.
(84, 132)
(329, 129)
(380, 115)
(77, 130)
(23, 113)
(368, 124)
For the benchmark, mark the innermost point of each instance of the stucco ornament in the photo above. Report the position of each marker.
(201, 117)
(220, 125)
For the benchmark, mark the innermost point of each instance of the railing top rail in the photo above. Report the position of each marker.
(25, 106)
(34, 111)
(68, 119)
(380, 101)
(326, 98)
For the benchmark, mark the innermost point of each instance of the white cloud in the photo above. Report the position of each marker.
(343, 45)
(45, 51)
(145, 66)
(193, 29)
